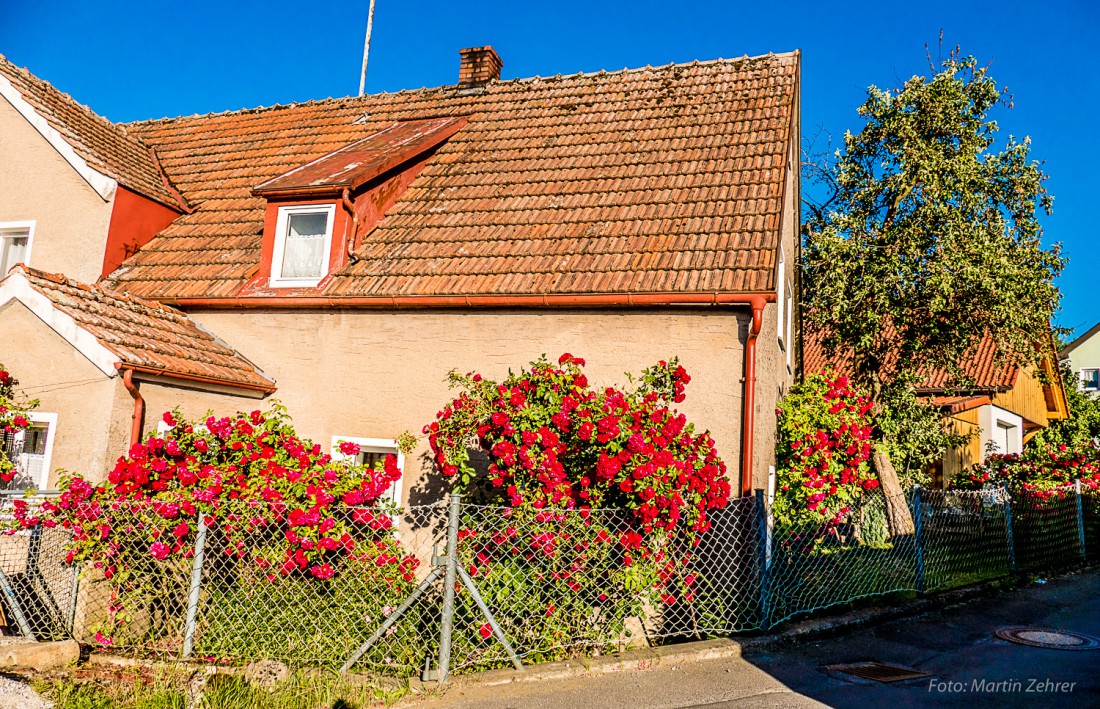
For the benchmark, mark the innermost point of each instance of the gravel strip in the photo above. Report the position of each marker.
(17, 695)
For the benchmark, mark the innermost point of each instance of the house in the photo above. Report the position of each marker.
(344, 255)
(1083, 356)
(1001, 407)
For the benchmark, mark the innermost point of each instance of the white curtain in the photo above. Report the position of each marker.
(303, 252)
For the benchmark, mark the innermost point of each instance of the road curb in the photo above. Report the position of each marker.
(643, 659)
(721, 648)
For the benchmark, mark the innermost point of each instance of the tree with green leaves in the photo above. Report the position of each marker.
(928, 239)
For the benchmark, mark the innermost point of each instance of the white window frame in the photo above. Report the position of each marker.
(1084, 386)
(50, 420)
(277, 280)
(10, 229)
(375, 445)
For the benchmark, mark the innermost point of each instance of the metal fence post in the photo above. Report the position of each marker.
(446, 628)
(1008, 530)
(918, 540)
(196, 582)
(1080, 520)
(763, 560)
(74, 595)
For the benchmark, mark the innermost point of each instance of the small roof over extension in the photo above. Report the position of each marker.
(119, 331)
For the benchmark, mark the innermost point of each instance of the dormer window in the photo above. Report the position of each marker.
(303, 241)
(316, 212)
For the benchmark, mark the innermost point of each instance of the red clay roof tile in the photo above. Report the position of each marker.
(555, 185)
(145, 334)
(981, 365)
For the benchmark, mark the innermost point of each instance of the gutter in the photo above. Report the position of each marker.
(153, 371)
(748, 398)
(139, 404)
(349, 237)
(467, 301)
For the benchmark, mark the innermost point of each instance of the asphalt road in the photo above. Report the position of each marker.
(969, 666)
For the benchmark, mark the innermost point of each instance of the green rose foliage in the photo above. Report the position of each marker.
(822, 450)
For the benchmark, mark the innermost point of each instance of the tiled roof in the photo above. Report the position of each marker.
(105, 146)
(146, 335)
(981, 365)
(655, 180)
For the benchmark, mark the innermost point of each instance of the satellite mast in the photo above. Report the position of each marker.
(366, 48)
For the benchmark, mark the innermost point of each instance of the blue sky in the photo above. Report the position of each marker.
(134, 60)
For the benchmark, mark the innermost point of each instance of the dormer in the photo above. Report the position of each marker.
(317, 213)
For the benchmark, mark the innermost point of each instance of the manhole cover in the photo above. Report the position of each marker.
(1052, 639)
(878, 671)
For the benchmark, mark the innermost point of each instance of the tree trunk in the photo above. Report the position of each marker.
(899, 519)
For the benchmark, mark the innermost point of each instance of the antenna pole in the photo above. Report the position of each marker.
(366, 48)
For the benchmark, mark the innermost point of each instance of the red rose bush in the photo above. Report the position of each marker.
(823, 448)
(280, 512)
(14, 418)
(589, 500)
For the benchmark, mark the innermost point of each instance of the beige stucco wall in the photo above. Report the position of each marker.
(193, 403)
(36, 183)
(377, 374)
(67, 384)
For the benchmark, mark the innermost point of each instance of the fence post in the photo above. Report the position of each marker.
(446, 628)
(1080, 520)
(918, 540)
(763, 560)
(1008, 530)
(196, 582)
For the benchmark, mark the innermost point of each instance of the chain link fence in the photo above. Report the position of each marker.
(455, 587)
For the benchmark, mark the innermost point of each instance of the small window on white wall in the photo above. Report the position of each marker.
(1090, 379)
(372, 451)
(15, 244)
(303, 240)
(32, 452)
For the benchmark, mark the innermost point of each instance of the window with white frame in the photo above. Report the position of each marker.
(303, 241)
(1090, 379)
(15, 244)
(32, 452)
(372, 451)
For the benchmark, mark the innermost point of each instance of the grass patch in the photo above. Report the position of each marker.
(174, 689)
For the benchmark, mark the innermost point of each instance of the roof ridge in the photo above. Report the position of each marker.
(445, 87)
(61, 279)
(118, 127)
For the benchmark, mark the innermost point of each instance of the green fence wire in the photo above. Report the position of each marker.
(528, 585)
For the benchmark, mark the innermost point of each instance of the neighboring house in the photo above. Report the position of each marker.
(1083, 355)
(1002, 407)
(358, 249)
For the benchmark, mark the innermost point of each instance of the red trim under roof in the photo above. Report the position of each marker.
(353, 165)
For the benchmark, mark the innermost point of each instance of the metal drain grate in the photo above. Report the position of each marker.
(1047, 638)
(878, 671)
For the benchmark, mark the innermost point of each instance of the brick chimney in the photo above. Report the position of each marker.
(479, 66)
